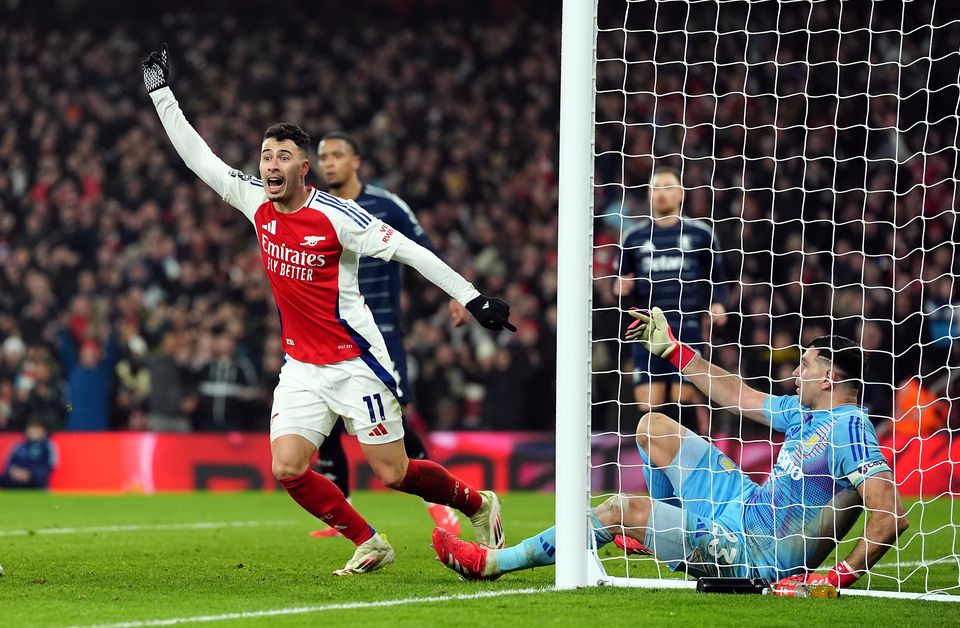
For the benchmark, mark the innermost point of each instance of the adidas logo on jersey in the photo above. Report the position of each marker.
(379, 430)
(270, 227)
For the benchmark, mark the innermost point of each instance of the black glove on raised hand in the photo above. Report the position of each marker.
(156, 69)
(491, 313)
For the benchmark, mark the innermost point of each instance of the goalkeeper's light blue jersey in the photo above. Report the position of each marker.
(809, 499)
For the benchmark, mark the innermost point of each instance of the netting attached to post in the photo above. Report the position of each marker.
(816, 145)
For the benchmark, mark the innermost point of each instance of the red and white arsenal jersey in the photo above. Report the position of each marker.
(310, 257)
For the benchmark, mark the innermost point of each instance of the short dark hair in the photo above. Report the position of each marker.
(666, 170)
(845, 357)
(344, 136)
(288, 131)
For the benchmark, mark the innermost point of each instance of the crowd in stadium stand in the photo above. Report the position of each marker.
(832, 197)
(131, 290)
(132, 297)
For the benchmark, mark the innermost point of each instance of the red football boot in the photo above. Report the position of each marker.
(631, 546)
(468, 559)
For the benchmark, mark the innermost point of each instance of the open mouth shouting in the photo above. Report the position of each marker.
(274, 184)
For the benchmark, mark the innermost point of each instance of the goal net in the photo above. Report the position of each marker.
(817, 146)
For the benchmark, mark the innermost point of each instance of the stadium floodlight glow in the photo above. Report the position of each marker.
(819, 143)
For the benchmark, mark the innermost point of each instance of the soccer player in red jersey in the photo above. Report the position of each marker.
(310, 243)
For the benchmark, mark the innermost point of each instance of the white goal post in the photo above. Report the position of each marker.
(819, 142)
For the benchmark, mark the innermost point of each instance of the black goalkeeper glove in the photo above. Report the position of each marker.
(156, 69)
(491, 313)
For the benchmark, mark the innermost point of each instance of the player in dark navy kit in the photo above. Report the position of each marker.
(338, 156)
(672, 263)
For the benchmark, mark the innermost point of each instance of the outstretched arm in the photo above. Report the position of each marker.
(242, 191)
(490, 312)
(367, 235)
(723, 388)
(726, 390)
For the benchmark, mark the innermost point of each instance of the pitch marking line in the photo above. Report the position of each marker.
(948, 561)
(203, 525)
(318, 609)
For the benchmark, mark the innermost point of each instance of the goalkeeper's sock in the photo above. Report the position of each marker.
(658, 484)
(541, 550)
(322, 499)
(435, 484)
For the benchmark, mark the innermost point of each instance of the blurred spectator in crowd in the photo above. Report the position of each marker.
(90, 375)
(942, 318)
(132, 381)
(39, 396)
(920, 410)
(168, 401)
(507, 394)
(32, 460)
(227, 384)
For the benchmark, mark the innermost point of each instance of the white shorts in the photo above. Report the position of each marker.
(310, 398)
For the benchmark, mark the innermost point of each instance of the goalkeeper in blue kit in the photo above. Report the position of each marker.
(704, 515)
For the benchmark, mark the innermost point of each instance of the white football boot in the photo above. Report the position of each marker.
(486, 521)
(371, 555)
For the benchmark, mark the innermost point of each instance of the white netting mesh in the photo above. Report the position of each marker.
(818, 140)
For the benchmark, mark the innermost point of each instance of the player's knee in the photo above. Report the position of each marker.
(624, 510)
(284, 469)
(636, 509)
(390, 474)
(648, 426)
(610, 512)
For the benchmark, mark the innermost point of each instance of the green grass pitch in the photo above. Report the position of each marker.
(95, 560)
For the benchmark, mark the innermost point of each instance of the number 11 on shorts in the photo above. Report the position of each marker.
(369, 399)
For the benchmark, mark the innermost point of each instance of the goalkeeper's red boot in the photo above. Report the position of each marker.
(631, 546)
(470, 560)
(445, 517)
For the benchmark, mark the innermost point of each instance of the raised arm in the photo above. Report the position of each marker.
(723, 388)
(243, 192)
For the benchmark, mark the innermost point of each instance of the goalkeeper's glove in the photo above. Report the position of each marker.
(842, 577)
(156, 69)
(653, 332)
(491, 313)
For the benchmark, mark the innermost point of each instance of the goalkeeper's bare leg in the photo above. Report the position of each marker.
(628, 514)
(658, 436)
